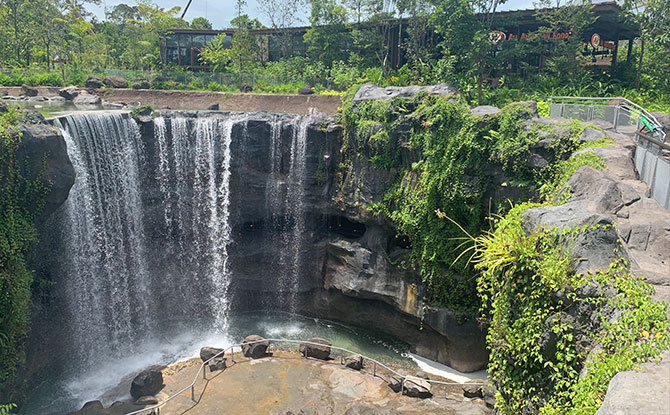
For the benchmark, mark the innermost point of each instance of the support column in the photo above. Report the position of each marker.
(616, 50)
(630, 49)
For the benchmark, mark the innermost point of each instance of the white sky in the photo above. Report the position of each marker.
(220, 12)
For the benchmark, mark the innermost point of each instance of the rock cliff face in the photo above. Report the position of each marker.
(301, 238)
(42, 153)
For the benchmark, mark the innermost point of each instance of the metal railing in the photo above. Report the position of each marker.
(626, 116)
(231, 349)
(651, 160)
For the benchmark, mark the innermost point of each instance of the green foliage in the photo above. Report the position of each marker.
(450, 148)
(327, 38)
(520, 275)
(201, 23)
(7, 409)
(20, 203)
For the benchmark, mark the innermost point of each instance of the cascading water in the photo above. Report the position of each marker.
(285, 206)
(140, 254)
(132, 282)
(108, 281)
(195, 196)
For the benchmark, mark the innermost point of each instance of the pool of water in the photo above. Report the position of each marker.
(62, 390)
(56, 108)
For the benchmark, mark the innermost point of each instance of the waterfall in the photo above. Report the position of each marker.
(285, 206)
(106, 276)
(128, 280)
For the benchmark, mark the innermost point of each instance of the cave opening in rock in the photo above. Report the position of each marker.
(346, 227)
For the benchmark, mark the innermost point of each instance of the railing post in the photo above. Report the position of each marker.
(402, 386)
(374, 369)
(616, 117)
(193, 393)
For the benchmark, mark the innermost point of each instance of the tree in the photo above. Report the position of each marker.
(653, 17)
(158, 24)
(328, 38)
(201, 23)
(282, 14)
(121, 14)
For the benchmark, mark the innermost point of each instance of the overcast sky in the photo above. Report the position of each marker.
(220, 12)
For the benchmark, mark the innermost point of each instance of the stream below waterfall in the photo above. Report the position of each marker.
(65, 388)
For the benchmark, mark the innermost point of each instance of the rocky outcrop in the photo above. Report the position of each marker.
(43, 153)
(417, 388)
(316, 347)
(255, 347)
(69, 93)
(593, 249)
(148, 382)
(370, 92)
(93, 82)
(354, 362)
(362, 273)
(86, 98)
(643, 391)
(115, 82)
(206, 353)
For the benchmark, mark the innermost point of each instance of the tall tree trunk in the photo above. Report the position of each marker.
(479, 88)
(639, 66)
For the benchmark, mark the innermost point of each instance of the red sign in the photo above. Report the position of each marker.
(497, 36)
(597, 41)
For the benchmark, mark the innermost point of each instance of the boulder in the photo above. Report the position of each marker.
(417, 388)
(320, 350)
(93, 82)
(590, 135)
(395, 383)
(370, 92)
(141, 84)
(213, 107)
(57, 99)
(639, 392)
(86, 98)
(28, 91)
(148, 382)
(354, 361)
(306, 90)
(115, 82)
(466, 348)
(207, 353)
(245, 88)
(146, 400)
(484, 111)
(218, 363)
(473, 391)
(594, 248)
(257, 348)
(69, 93)
(44, 153)
(30, 117)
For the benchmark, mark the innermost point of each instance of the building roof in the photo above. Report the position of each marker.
(611, 21)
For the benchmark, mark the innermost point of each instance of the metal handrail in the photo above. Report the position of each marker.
(222, 353)
(641, 111)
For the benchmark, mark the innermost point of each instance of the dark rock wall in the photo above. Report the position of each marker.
(346, 269)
